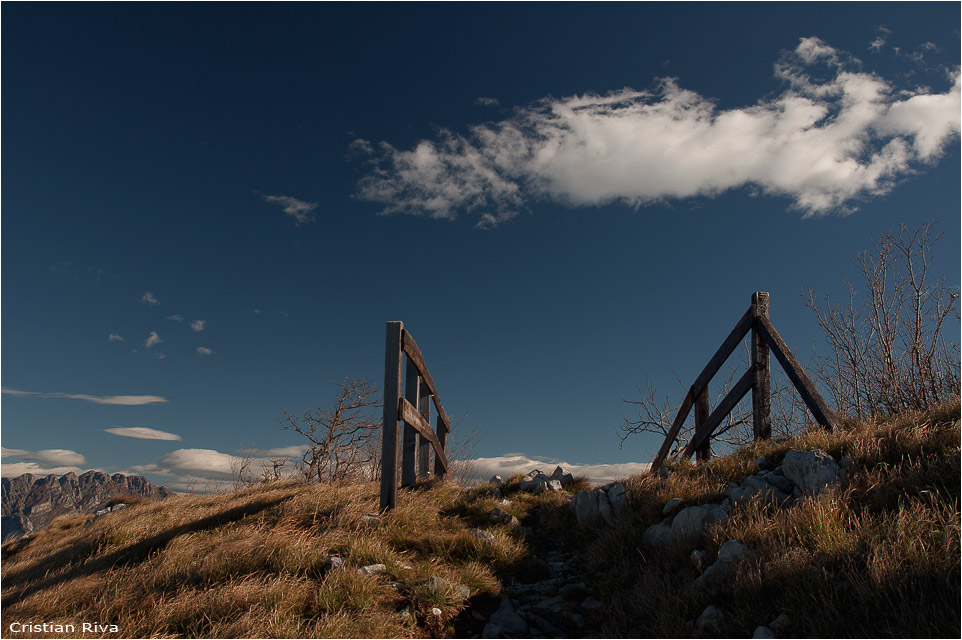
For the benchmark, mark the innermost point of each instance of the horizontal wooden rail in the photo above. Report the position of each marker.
(410, 415)
(796, 374)
(411, 349)
(725, 407)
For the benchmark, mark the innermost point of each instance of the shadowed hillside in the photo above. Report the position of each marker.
(878, 555)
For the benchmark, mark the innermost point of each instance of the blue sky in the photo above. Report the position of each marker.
(215, 208)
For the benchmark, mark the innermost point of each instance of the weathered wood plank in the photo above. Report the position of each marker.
(442, 435)
(389, 433)
(410, 415)
(409, 448)
(761, 365)
(702, 410)
(682, 414)
(724, 407)
(727, 347)
(411, 349)
(701, 382)
(424, 453)
(815, 403)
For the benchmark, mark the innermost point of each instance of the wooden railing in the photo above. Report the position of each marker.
(757, 380)
(414, 410)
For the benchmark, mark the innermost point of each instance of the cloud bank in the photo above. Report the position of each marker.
(120, 400)
(43, 462)
(483, 468)
(834, 136)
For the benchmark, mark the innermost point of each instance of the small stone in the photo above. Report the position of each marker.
(404, 613)
(698, 559)
(479, 534)
(658, 535)
(333, 563)
(763, 632)
(371, 569)
(811, 471)
(592, 605)
(496, 481)
(435, 611)
(761, 462)
(119, 507)
(396, 586)
(371, 519)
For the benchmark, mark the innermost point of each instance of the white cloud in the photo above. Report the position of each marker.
(483, 468)
(42, 462)
(113, 337)
(204, 463)
(176, 317)
(824, 142)
(149, 299)
(118, 400)
(152, 339)
(13, 469)
(143, 433)
(160, 356)
(487, 102)
(300, 210)
(204, 351)
(198, 325)
(293, 451)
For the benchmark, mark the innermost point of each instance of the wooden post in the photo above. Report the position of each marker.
(442, 433)
(761, 386)
(424, 445)
(701, 416)
(392, 396)
(412, 385)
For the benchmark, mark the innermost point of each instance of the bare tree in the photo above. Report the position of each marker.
(344, 439)
(886, 351)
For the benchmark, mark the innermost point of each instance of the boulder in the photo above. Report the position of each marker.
(710, 620)
(617, 497)
(562, 476)
(690, 523)
(505, 623)
(810, 471)
(728, 558)
(658, 535)
(763, 632)
(672, 507)
(496, 481)
(502, 516)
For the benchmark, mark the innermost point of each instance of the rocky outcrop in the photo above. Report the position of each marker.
(600, 504)
(31, 502)
(537, 482)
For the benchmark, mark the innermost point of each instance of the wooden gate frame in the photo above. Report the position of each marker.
(414, 410)
(757, 379)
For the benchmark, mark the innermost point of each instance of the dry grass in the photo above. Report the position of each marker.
(877, 557)
(251, 564)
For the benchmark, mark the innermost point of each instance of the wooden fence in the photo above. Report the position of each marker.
(413, 409)
(757, 380)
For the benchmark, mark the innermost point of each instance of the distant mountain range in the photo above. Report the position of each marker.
(31, 502)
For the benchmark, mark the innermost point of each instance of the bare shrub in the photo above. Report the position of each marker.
(886, 350)
(344, 439)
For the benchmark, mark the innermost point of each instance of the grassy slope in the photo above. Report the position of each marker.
(879, 557)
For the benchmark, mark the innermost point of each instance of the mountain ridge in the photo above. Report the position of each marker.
(31, 502)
